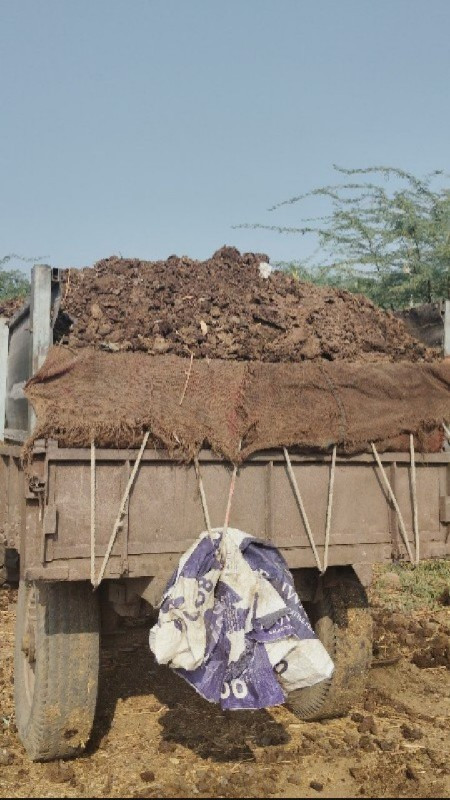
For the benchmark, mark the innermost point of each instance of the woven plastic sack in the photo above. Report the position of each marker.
(232, 625)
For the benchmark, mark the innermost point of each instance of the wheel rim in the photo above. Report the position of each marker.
(29, 645)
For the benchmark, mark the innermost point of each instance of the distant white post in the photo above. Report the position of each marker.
(447, 328)
(4, 340)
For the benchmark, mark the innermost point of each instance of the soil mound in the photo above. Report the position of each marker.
(225, 308)
(9, 307)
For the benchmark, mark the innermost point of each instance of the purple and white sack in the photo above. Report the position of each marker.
(232, 625)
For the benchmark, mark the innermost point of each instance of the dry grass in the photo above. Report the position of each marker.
(421, 587)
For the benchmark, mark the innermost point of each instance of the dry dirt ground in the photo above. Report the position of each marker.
(154, 737)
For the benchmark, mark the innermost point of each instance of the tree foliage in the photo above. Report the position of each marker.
(13, 282)
(391, 242)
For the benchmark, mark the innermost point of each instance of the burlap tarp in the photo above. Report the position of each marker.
(236, 407)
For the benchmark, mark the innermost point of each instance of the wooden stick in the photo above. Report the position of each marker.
(121, 510)
(329, 509)
(187, 379)
(394, 503)
(414, 499)
(302, 508)
(93, 513)
(202, 496)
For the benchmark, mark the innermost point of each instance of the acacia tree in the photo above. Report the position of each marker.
(390, 242)
(13, 283)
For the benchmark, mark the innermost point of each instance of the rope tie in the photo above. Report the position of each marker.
(188, 375)
(227, 553)
(118, 522)
(329, 509)
(203, 496)
(298, 497)
(394, 503)
(230, 497)
(93, 514)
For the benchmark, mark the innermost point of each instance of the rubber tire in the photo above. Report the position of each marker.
(343, 623)
(56, 721)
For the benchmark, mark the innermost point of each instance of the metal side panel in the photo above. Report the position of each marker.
(12, 497)
(164, 514)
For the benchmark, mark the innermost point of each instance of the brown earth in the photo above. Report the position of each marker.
(154, 737)
(9, 307)
(224, 308)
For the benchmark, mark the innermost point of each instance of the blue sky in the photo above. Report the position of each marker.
(151, 127)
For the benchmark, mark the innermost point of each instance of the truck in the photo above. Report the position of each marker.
(147, 511)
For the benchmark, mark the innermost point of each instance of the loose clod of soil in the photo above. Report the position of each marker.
(9, 307)
(225, 308)
(426, 642)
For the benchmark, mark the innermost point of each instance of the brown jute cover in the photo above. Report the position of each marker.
(237, 407)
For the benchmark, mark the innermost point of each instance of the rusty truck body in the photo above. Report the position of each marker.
(46, 514)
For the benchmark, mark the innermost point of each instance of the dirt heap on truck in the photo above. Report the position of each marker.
(224, 308)
(215, 354)
(9, 306)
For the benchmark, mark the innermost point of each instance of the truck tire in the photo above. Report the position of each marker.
(9, 566)
(341, 618)
(56, 667)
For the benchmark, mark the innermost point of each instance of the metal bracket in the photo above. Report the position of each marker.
(36, 488)
(444, 509)
(49, 532)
